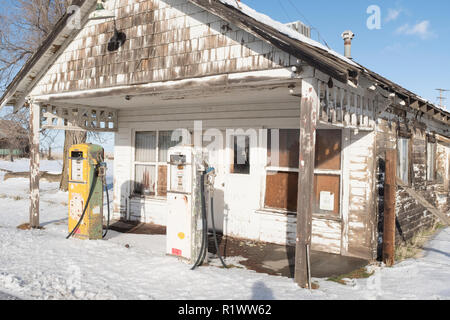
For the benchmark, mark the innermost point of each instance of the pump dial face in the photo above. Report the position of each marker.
(76, 206)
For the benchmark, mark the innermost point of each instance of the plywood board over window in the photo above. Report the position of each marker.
(326, 194)
(281, 190)
(286, 155)
(282, 170)
(283, 167)
(328, 150)
(328, 173)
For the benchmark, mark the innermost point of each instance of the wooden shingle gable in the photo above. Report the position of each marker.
(165, 40)
(314, 56)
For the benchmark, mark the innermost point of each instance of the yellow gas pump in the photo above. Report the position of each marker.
(86, 180)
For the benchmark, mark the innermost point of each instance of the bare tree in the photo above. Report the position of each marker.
(48, 139)
(22, 29)
(14, 129)
(23, 26)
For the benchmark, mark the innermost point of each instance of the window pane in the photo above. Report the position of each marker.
(145, 147)
(328, 149)
(402, 160)
(241, 155)
(430, 161)
(162, 181)
(326, 194)
(145, 180)
(281, 190)
(164, 143)
(287, 151)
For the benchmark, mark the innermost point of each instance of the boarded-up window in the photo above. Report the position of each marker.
(285, 155)
(281, 190)
(403, 159)
(150, 161)
(327, 172)
(162, 180)
(326, 194)
(283, 168)
(328, 150)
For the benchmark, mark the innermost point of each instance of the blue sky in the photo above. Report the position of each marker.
(412, 48)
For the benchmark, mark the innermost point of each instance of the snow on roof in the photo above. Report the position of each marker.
(282, 28)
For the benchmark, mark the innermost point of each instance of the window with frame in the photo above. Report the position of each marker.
(431, 160)
(241, 154)
(327, 173)
(282, 169)
(403, 159)
(150, 162)
(282, 175)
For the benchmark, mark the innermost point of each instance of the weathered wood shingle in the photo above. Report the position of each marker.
(166, 40)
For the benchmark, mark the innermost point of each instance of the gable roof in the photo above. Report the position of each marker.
(312, 51)
(47, 52)
(260, 25)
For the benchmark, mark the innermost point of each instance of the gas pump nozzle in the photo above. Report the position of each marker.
(210, 178)
(102, 169)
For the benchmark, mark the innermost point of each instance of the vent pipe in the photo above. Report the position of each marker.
(348, 37)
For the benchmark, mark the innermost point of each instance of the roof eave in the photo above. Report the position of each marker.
(8, 97)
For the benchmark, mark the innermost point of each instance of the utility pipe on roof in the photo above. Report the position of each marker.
(348, 37)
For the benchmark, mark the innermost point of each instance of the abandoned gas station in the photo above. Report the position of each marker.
(356, 154)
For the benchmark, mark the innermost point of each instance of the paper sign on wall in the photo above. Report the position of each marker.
(326, 201)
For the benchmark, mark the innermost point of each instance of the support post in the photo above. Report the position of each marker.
(308, 118)
(34, 164)
(389, 208)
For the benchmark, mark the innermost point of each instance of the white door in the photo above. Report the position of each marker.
(242, 185)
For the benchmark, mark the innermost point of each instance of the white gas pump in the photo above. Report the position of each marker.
(185, 216)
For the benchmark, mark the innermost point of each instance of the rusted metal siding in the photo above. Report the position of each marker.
(166, 40)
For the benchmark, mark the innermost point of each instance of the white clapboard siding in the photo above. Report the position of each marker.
(245, 219)
(361, 209)
(275, 115)
(326, 236)
(148, 211)
(122, 165)
(241, 220)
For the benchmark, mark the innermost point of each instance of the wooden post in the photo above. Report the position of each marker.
(34, 164)
(389, 208)
(308, 117)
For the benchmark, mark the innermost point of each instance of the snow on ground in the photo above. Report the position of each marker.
(42, 264)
